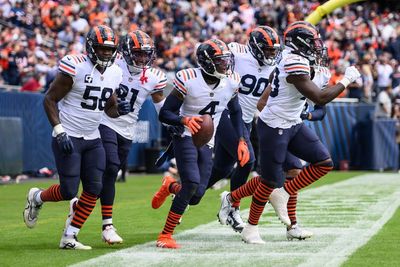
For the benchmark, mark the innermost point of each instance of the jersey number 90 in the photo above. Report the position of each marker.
(250, 84)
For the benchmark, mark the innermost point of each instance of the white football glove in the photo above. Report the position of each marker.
(350, 75)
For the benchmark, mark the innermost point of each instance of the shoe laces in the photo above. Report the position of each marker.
(110, 228)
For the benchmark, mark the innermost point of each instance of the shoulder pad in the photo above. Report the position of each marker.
(69, 63)
(295, 64)
(237, 48)
(160, 79)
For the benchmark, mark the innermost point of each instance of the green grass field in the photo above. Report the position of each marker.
(138, 223)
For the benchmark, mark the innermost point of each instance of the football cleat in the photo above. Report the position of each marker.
(235, 221)
(225, 208)
(161, 195)
(166, 241)
(250, 235)
(72, 204)
(71, 242)
(110, 236)
(279, 199)
(32, 209)
(295, 232)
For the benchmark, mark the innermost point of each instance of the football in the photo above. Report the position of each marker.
(204, 135)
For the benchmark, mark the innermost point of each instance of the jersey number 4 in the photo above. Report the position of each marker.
(209, 109)
(97, 102)
(250, 84)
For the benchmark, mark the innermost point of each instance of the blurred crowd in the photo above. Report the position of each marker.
(36, 34)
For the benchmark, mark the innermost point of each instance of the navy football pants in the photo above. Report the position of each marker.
(225, 154)
(117, 150)
(86, 163)
(299, 140)
(194, 166)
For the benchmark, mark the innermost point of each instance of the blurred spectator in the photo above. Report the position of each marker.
(384, 103)
(368, 79)
(33, 84)
(384, 71)
(35, 32)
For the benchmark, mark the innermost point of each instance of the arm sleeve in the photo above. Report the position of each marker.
(67, 65)
(318, 113)
(179, 85)
(162, 81)
(235, 112)
(296, 65)
(169, 113)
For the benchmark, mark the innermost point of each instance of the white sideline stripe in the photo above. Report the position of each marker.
(362, 205)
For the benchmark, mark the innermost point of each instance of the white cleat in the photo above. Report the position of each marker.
(225, 208)
(71, 212)
(32, 209)
(279, 199)
(235, 221)
(295, 232)
(250, 235)
(71, 242)
(110, 236)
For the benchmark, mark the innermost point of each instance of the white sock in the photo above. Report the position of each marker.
(38, 200)
(71, 230)
(107, 221)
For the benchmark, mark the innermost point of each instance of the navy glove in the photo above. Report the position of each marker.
(175, 130)
(122, 91)
(124, 107)
(65, 143)
(304, 115)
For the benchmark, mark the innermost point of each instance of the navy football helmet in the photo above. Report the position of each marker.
(101, 36)
(215, 58)
(138, 50)
(264, 44)
(304, 39)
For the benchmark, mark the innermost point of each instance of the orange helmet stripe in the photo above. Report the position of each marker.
(266, 36)
(314, 32)
(98, 35)
(135, 39)
(145, 40)
(218, 50)
(109, 33)
(274, 34)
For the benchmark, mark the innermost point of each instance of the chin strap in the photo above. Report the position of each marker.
(144, 78)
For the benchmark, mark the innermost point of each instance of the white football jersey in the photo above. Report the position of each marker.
(254, 79)
(200, 98)
(139, 87)
(81, 109)
(285, 103)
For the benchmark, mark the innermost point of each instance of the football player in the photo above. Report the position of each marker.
(280, 129)
(82, 90)
(140, 80)
(292, 166)
(208, 89)
(254, 62)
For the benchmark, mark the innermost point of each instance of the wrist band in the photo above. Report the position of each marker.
(58, 129)
(345, 82)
